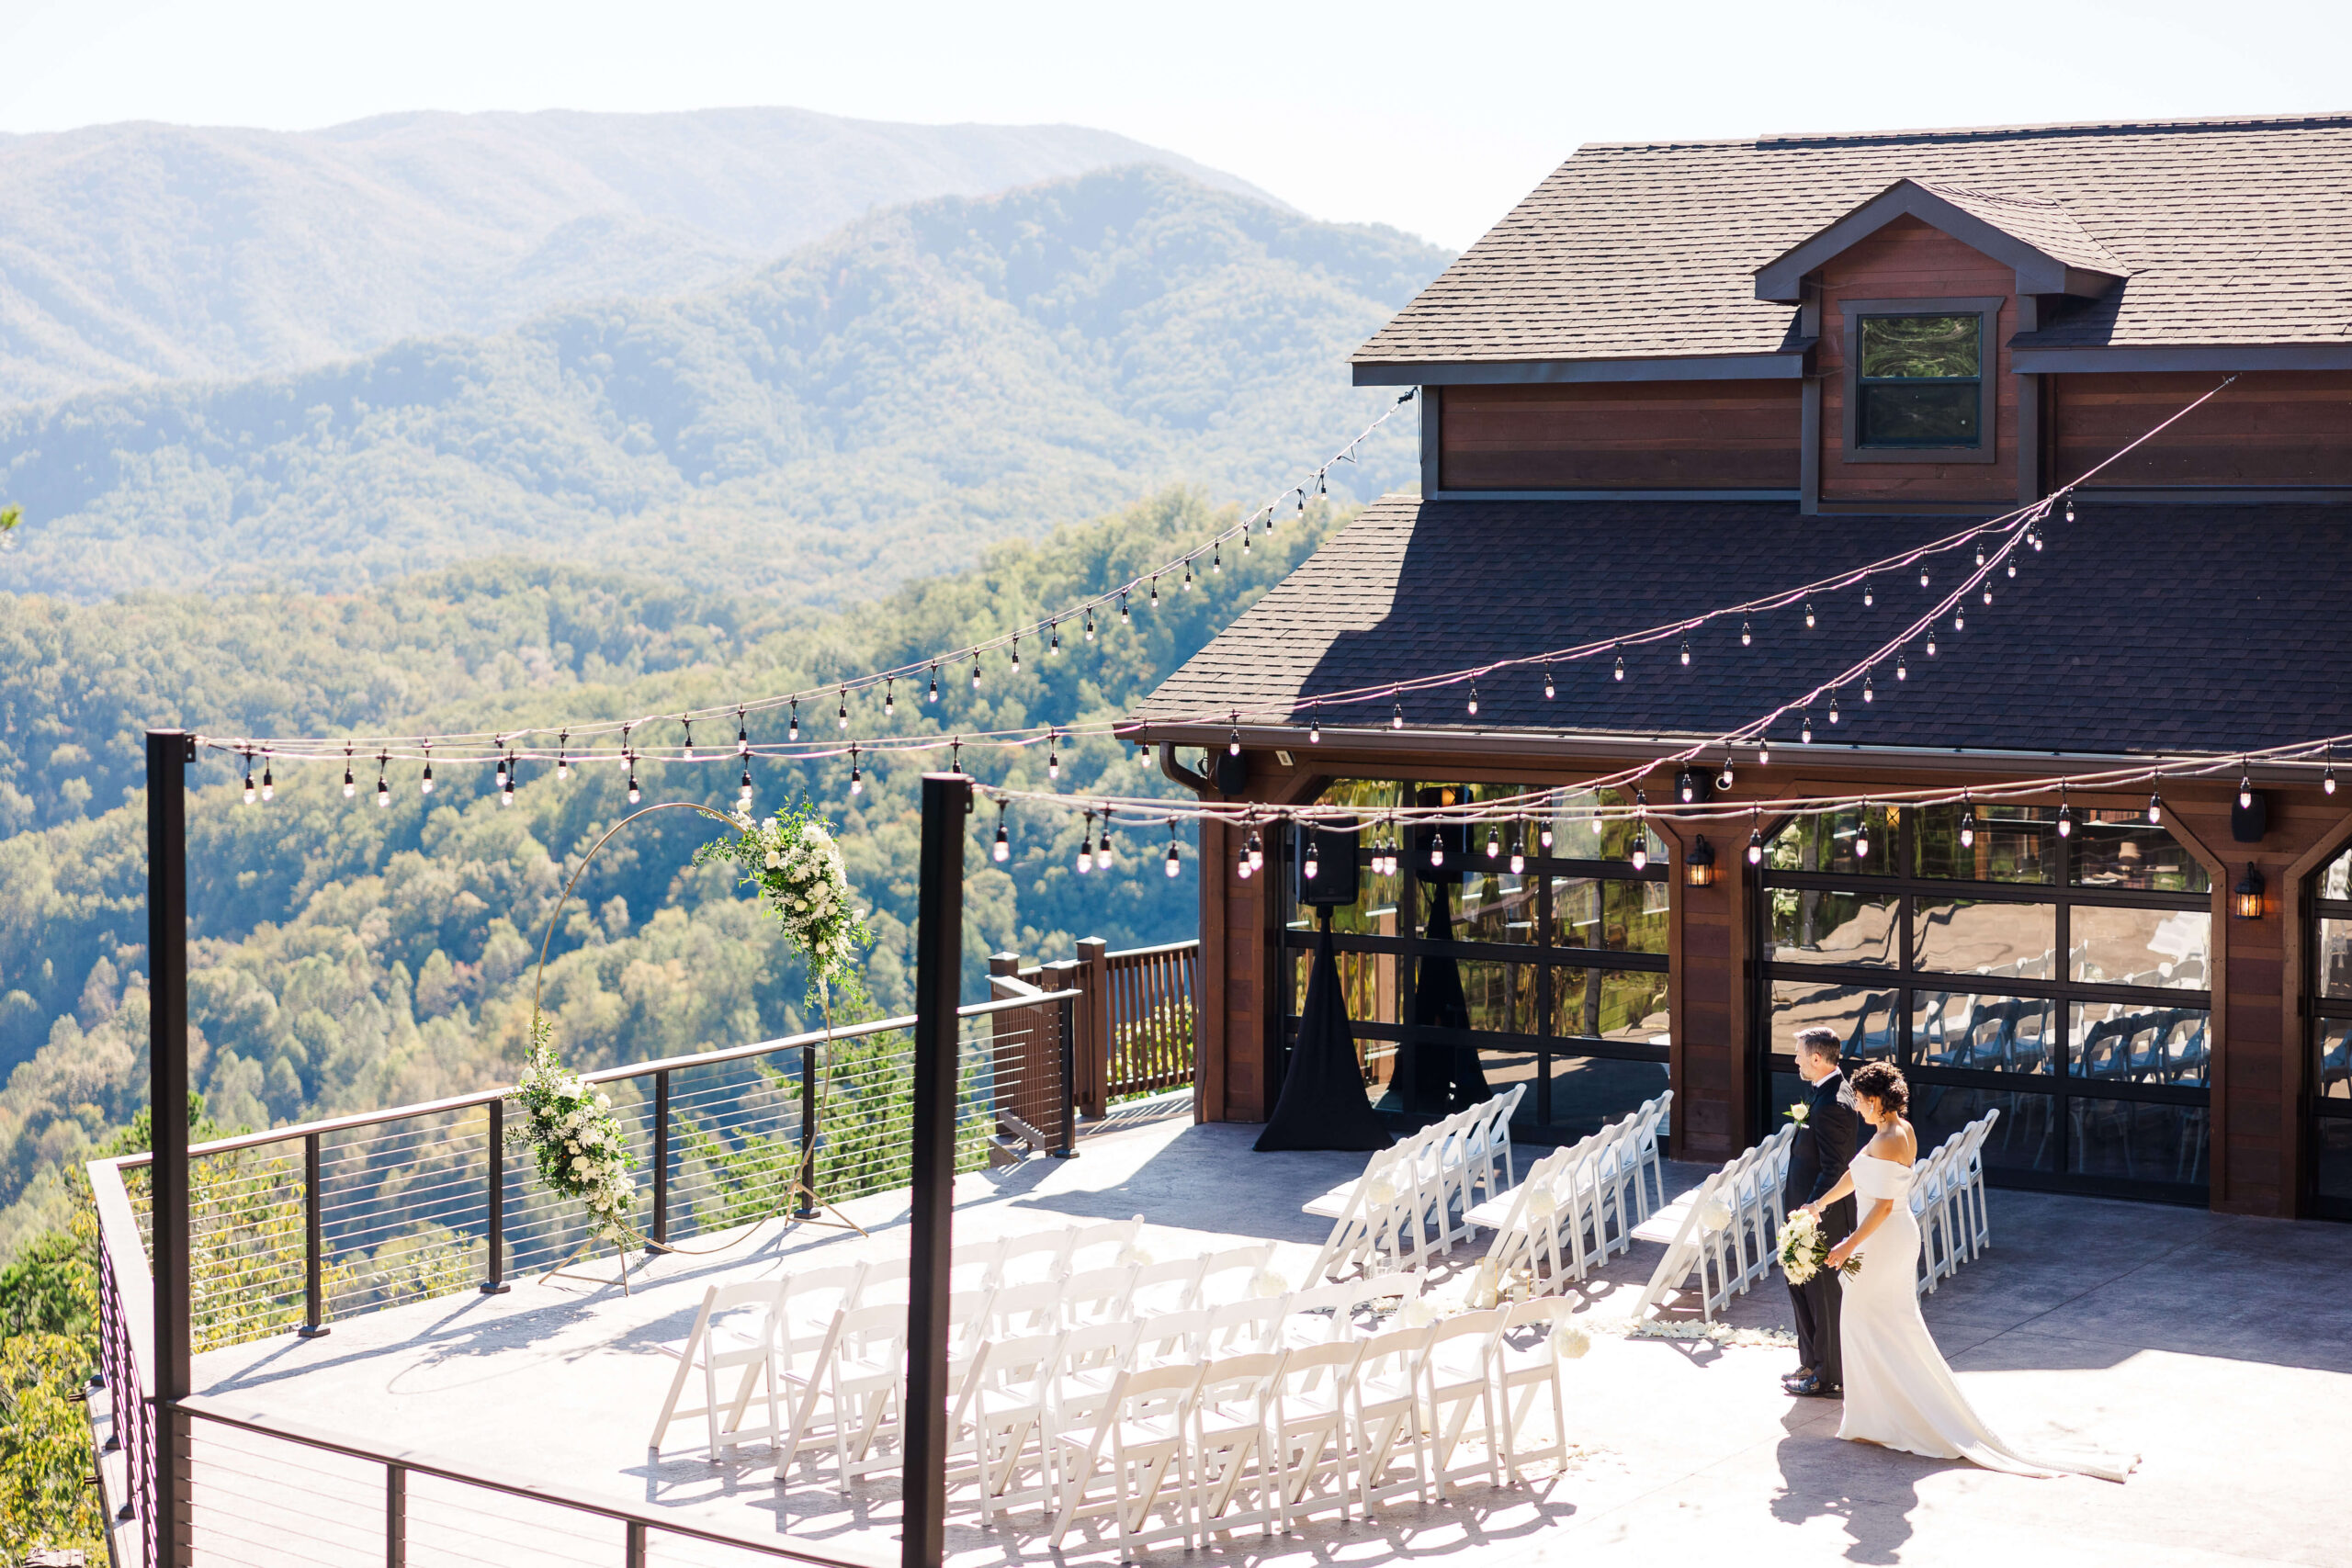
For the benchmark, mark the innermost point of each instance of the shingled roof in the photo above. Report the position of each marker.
(2233, 232)
(2137, 628)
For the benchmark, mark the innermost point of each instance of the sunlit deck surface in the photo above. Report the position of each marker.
(2218, 1349)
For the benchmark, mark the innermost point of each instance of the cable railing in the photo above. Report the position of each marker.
(297, 1227)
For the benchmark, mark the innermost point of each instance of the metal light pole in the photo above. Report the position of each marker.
(169, 752)
(939, 963)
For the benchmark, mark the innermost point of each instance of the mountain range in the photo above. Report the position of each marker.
(140, 251)
(881, 403)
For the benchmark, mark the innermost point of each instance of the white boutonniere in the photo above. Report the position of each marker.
(1799, 1112)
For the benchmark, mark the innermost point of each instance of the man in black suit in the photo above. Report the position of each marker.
(1826, 1138)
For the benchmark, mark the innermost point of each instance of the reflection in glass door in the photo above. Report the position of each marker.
(2327, 1088)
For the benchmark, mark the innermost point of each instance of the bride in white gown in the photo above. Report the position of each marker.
(1899, 1393)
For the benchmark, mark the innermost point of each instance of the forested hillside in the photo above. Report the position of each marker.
(136, 252)
(348, 957)
(882, 404)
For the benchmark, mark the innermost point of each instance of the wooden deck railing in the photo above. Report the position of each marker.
(1137, 1024)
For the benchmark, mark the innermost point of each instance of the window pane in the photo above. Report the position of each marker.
(2331, 1150)
(1502, 996)
(1610, 914)
(1372, 914)
(1590, 1092)
(2333, 1042)
(2335, 881)
(2025, 1138)
(2333, 974)
(2120, 849)
(2118, 1043)
(1920, 346)
(2166, 948)
(1811, 926)
(1497, 907)
(1578, 833)
(2127, 1140)
(1917, 413)
(1975, 936)
(1610, 1004)
(1827, 843)
(2012, 843)
(1986, 1034)
(1367, 983)
(1864, 1019)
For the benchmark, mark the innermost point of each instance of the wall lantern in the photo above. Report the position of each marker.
(2245, 898)
(1699, 866)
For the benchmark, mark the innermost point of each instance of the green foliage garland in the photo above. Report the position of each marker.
(569, 1125)
(794, 863)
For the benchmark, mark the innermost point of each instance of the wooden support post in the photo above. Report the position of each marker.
(1093, 1044)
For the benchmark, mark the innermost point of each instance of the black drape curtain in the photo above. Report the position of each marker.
(1323, 1104)
(1439, 1078)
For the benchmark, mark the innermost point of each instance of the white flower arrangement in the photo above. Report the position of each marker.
(569, 1125)
(1802, 1249)
(793, 862)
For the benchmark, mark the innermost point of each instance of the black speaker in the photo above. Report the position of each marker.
(1331, 849)
(2250, 821)
(1231, 773)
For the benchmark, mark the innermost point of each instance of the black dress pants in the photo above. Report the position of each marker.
(1816, 1302)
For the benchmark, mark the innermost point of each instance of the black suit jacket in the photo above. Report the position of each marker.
(1819, 1154)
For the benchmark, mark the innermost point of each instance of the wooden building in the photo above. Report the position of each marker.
(1679, 376)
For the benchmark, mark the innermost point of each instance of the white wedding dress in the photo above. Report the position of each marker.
(1899, 1393)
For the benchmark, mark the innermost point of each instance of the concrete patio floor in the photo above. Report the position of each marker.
(2218, 1348)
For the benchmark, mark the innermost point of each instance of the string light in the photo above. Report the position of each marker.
(383, 785)
(1747, 633)
(792, 731)
(1547, 682)
(1090, 626)
(1833, 707)
(1519, 849)
(1102, 849)
(1216, 558)
(425, 785)
(268, 785)
(1233, 743)
(1967, 823)
(1086, 845)
(2065, 815)
(1686, 650)
(1155, 591)
(2070, 506)
(1311, 861)
(2245, 788)
(1188, 574)
(935, 684)
(744, 791)
(1960, 620)
(506, 794)
(1242, 869)
(251, 793)
(1763, 751)
(1544, 835)
(563, 762)
(1494, 842)
(1001, 851)
(1396, 717)
(841, 716)
(1474, 699)
(1901, 671)
(1756, 838)
(975, 672)
(1175, 861)
(1867, 695)
(744, 734)
(1054, 756)
(1868, 597)
(1125, 619)
(1621, 665)
(1723, 780)
(2155, 798)
(1808, 614)
(1016, 659)
(1862, 834)
(686, 747)
(1257, 851)
(350, 786)
(1931, 643)
(1054, 643)
(1804, 735)
(1437, 850)
(633, 793)
(1314, 726)
(856, 780)
(1923, 574)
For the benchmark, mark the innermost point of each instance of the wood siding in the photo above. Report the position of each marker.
(1613, 435)
(2272, 427)
(1908, 260)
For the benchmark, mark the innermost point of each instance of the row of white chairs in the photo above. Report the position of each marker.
(1579, 1205)
(1948, 1199)
(1413, 1198)
(1727, 1228)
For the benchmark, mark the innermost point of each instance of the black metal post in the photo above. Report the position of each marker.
(395, 1516)
(661, 1159)
(1064, 1023)
(809, 1065)
(496, 1285)
(169, 752)
(313, 1244)
(635, 1553)
(939, 964)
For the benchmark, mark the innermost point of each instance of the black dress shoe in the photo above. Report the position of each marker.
(1790, 1379)
(1812, 1387)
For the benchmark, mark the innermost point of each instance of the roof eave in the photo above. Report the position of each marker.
(1787, 364)
(1781, 281)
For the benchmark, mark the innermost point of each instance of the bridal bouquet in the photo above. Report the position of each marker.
(1802, 1249)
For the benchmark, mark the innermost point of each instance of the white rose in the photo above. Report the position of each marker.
(776, 858)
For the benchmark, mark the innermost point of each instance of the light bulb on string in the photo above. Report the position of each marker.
(792, 730)
(1804, 735)
(1125, 619)
(1988, 594)
(1862, 833)
(1932, 644)
(1763, 751)
(1547, 682)
(1302, 499)
(686, 747)
(1833, 707)
(424, 785)
(1233, 741)
(1967, 822)
(633, 793)
(975, 670)
(1053, 639)
(268, 784)
(2013, 566)
(1314, 726)
(1621, 664)
(1188, 574)
(1641, 855)
(497, 773)
(251, 793)
(744, 734)
(1723, 780)
(1980, 552)
(1053, 755)
(1756, 841)
(506, 791)
(2037, 541)
(1808, 614)
(1474, 699)
(1960, 620)
(1001, 851)
(842, 714)
(1085, 846)
(1747, 633)
(562, 761)
(744, 791)
(1257, 851)
(1175, 859)
(1901, 671)
(935, 684)
(1543, 835)
(383, 785)
(1245, 535)
(1242, 869)
(1868, 597)
(2070, 506)
(1923, 574)
(1868, 696)
(1103, 847)
(1310, 862)
(856, 779)
(2245, 789)
(1155, 591)
(1090, 626)
(889, 696)
(1519, 850)
(1397, 714)
(1686, 650)
(2065, 815)
(1494, 842)
(2155, 800)
(350, 786)
(1217, 557)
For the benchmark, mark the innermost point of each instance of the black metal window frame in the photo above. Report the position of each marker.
(1297, 935)
(1905, 980)
(2319, 1011)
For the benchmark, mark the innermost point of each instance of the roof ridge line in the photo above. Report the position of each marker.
(1986, 133)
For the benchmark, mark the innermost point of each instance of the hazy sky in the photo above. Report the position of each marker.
(1430, 117)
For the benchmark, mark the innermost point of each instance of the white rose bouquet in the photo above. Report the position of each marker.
(1803, 1250)
(569, 1124)
(793, 861)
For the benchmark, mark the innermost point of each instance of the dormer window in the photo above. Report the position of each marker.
(1920, 375)
(1921, 380)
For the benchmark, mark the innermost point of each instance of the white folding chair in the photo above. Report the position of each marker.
(1310, 1437)
(1001, 1412)
(1240, 1328)
(733, 1332)
(808, 1301)
(1526, 1364)
(1457, 1380)
(1022, 1310)
(1099, 1295)
(973, 1264)
(1102, 1246)
(1027, 1259)
(885, 1282)
(1232, 1275)
(1170, 1285)
(1086, 1365)
(1232, 1414)
(1385, 1414)
(1139, 1432)
(1686, 1251)
(1171, 1337)
(866, 1382)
